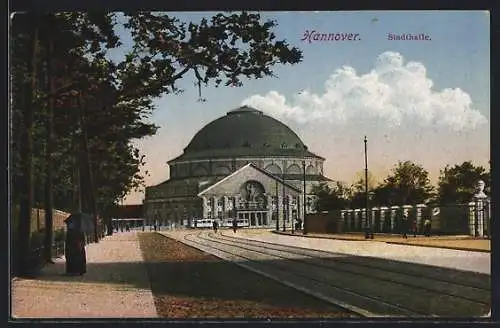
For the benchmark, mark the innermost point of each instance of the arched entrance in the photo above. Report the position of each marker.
(252, 205)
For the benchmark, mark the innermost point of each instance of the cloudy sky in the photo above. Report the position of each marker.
(425, 101)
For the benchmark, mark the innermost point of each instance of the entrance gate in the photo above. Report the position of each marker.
(255, 218)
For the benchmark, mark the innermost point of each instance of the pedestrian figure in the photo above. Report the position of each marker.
(298, 225)
(154, 227)
(215, 225)
(404, 226)
(427, 228)
(127, 228)
(235, 225)
(76, 258)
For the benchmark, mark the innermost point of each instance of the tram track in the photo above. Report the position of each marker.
(453, 288)
(373, 294)
(270, 266)
(406, 296)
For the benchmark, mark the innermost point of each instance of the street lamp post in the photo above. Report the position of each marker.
(368, 228)
(276, 211)
(284, 203)
(304, 230)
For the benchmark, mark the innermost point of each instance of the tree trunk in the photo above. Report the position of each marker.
(49, 199)
(26, 157)
(86, 169)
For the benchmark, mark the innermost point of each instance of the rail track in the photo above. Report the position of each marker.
(365, 286)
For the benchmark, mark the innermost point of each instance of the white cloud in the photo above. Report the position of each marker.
(393, 93)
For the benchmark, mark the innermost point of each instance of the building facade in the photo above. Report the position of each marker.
(244, 164)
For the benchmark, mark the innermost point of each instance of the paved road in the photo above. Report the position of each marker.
(441, 257)
(346, 276)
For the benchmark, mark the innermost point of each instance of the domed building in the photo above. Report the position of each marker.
(246, 165)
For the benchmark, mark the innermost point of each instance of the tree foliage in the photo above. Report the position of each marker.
(109, 104)
(457, 184)
(407, 184)
(331, 198)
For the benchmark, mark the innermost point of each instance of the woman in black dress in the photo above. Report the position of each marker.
(76, 258)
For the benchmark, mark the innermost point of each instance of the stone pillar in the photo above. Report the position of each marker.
(357, 218)
(488, 219)
(472, 218)
(363, 219)
(205, 207)
(343, 218)
(383, 216)
(480, 205)
(374, 213)
(353, 219)
(349, 219)
(394, 213)
(408, 211)
(420, 208)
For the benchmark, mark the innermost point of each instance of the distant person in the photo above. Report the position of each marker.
(404, 226)
(427, 228)
(195, 224)
(215, 225)
(235, 225)
(127, 228)
(298, 224)
(154, 227)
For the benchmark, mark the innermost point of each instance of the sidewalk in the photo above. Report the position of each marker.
(116, 285)
(465, 243)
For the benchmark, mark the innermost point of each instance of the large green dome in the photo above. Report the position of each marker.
(245, 131)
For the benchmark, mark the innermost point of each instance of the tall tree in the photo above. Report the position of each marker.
(358, 192)
(331, 198)
(118, 97)
(457, 184)
(408, 184)
(25, 88)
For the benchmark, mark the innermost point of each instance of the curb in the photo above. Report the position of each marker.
(387, 242)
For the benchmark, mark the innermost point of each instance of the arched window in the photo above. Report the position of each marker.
(294, 169)
(273, 169)
(311, 170)
(200, 170)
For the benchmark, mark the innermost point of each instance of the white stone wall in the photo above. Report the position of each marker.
(479, 217)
